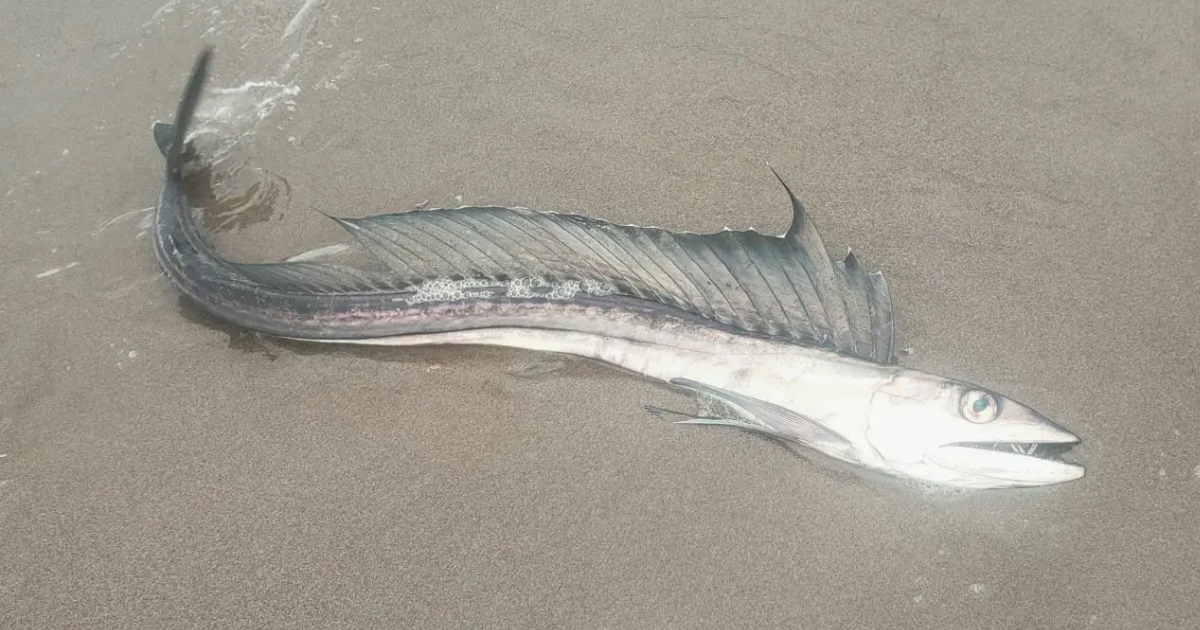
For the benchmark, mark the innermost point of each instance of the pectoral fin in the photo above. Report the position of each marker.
(773, 420)
(659, 412)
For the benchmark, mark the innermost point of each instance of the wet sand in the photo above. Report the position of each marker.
(1024, 176)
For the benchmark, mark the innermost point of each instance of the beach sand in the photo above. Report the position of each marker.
(1025, 176)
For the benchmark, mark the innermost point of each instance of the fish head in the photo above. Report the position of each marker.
(958, 434)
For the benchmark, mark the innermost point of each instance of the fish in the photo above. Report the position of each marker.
(771, 334)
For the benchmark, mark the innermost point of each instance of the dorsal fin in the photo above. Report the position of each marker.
(781, 286)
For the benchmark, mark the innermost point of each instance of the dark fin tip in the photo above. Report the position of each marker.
(851, 261)
(183, 117)
(797, 207)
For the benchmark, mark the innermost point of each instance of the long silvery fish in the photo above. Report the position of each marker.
(785, 340)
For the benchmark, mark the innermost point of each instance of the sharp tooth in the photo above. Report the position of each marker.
(1032, 449)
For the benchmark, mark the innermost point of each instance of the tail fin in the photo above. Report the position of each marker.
(169, 137)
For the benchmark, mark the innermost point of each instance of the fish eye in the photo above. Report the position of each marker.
(979, 406)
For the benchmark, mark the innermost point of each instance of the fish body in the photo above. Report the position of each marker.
(791, 343)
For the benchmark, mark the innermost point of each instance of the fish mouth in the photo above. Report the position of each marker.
(1012, 463)
(1052, 451)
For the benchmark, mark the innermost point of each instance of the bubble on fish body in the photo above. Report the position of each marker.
(598, 288)
(447, 290)
(520, 288)
(564, 290)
